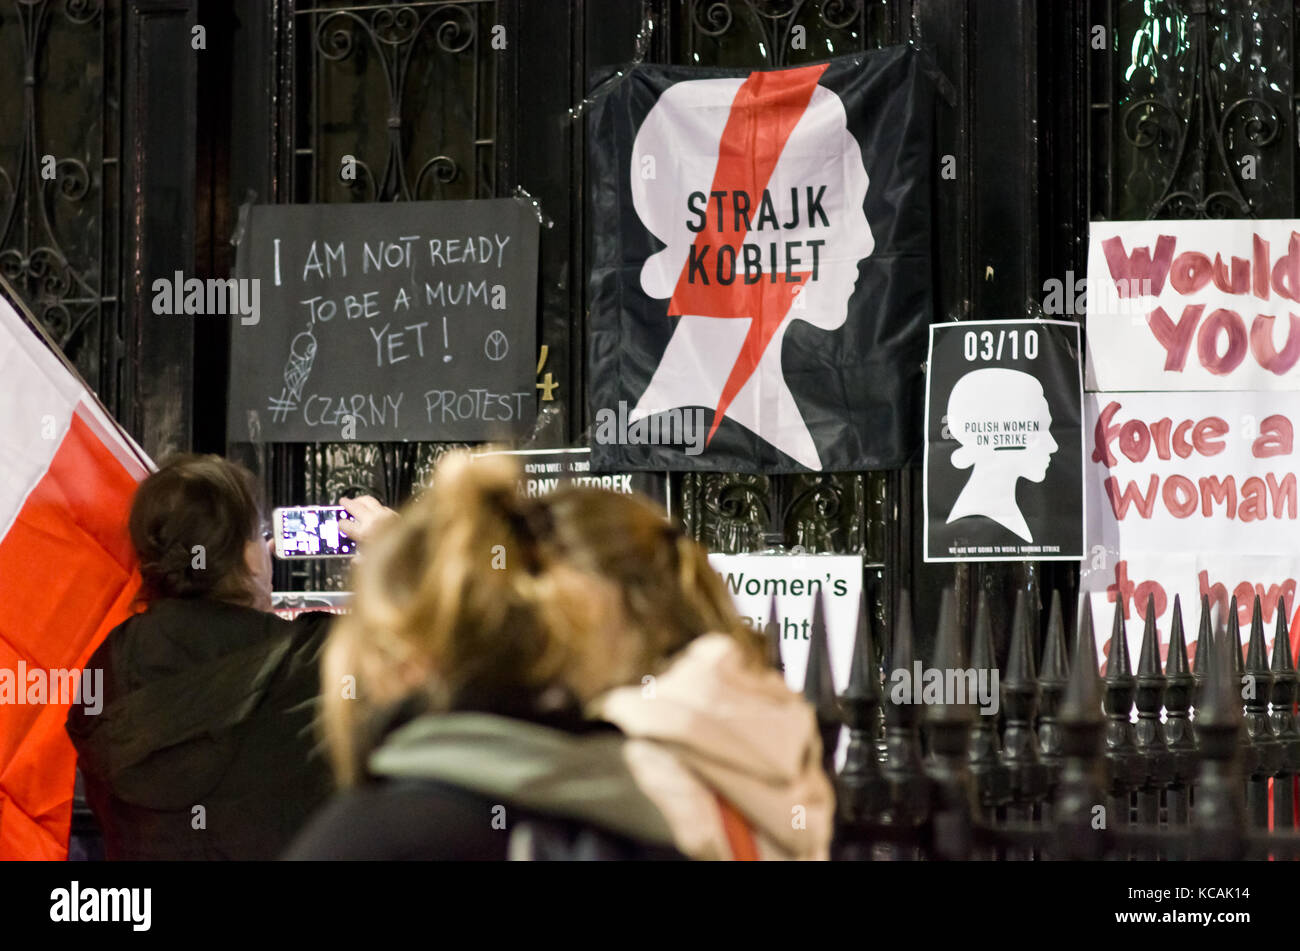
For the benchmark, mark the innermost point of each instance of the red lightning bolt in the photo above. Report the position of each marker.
(764, 113)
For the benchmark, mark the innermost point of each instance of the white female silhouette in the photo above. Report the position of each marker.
(679, 142)
(1003, 423)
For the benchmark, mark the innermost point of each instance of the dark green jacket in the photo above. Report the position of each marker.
(480, 786)
(204, 748)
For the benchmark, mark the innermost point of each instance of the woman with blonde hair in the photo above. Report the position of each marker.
(484, 622)
(452, 694)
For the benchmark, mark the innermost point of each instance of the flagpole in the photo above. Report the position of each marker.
(25, 314)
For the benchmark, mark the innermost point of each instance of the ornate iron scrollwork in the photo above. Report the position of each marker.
(779, 31)
(1207, 141)
(55, 207)
(392, 34)
(352, 52)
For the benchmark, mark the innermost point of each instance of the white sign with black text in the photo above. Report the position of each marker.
(796, 580)
(1004, 442)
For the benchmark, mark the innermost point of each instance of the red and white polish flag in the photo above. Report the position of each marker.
(68, 573)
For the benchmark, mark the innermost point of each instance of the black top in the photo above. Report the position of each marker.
(426, 818)
(419, 820)
(205, 747)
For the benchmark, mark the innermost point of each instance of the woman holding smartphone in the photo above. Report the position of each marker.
(204, 748)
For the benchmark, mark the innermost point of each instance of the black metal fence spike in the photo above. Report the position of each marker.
(1055, 669)
(1257, 649)
(1180, 741)
(1176, 661)
(949, 656)
(1081, 725)
(901, 657)
(1203, 659)
(862, 794)
(909, 793)
(1149, 655)
(1020, 658)
(1149, 733)
(819, 685)
(991, 783)
(1082, 702)
(1027, 777)
(1051, 682)
(982, 654)
(1123, 767)
(1221, 705)
(1264, 754)
(1205, 635)
(1219, 814)
(901, 651)
(1118, 663)
(864, 674)
(949, 650)
(1283, 694)
(1282, 659)
(1232, 628)
(948, 728)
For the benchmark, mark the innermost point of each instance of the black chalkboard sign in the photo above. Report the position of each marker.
(387, 321)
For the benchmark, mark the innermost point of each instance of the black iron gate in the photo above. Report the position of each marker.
(118, 138)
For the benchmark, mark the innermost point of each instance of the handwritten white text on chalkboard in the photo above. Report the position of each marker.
(363, 408)
(479, 404)
(406, 321)
(325, 261)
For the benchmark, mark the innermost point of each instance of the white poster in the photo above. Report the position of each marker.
(1190, 494)
(1194, 305)
(796, 580)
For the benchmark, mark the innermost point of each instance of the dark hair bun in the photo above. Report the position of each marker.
(190, 523)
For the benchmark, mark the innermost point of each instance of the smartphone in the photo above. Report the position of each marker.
(311, 531)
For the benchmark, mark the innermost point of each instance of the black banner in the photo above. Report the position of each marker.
(1004, 450)
(387, 321)
(761, 274)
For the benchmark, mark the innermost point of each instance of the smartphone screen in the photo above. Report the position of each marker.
(311, 531)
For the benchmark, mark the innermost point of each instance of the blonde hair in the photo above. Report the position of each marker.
(462, 602)
(478, 597)
(668, 592)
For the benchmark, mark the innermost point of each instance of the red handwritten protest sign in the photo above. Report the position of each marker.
(1190, 494)
(1194, 305)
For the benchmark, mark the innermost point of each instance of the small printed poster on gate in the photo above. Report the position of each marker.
(796, 581)
(1004, 442)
